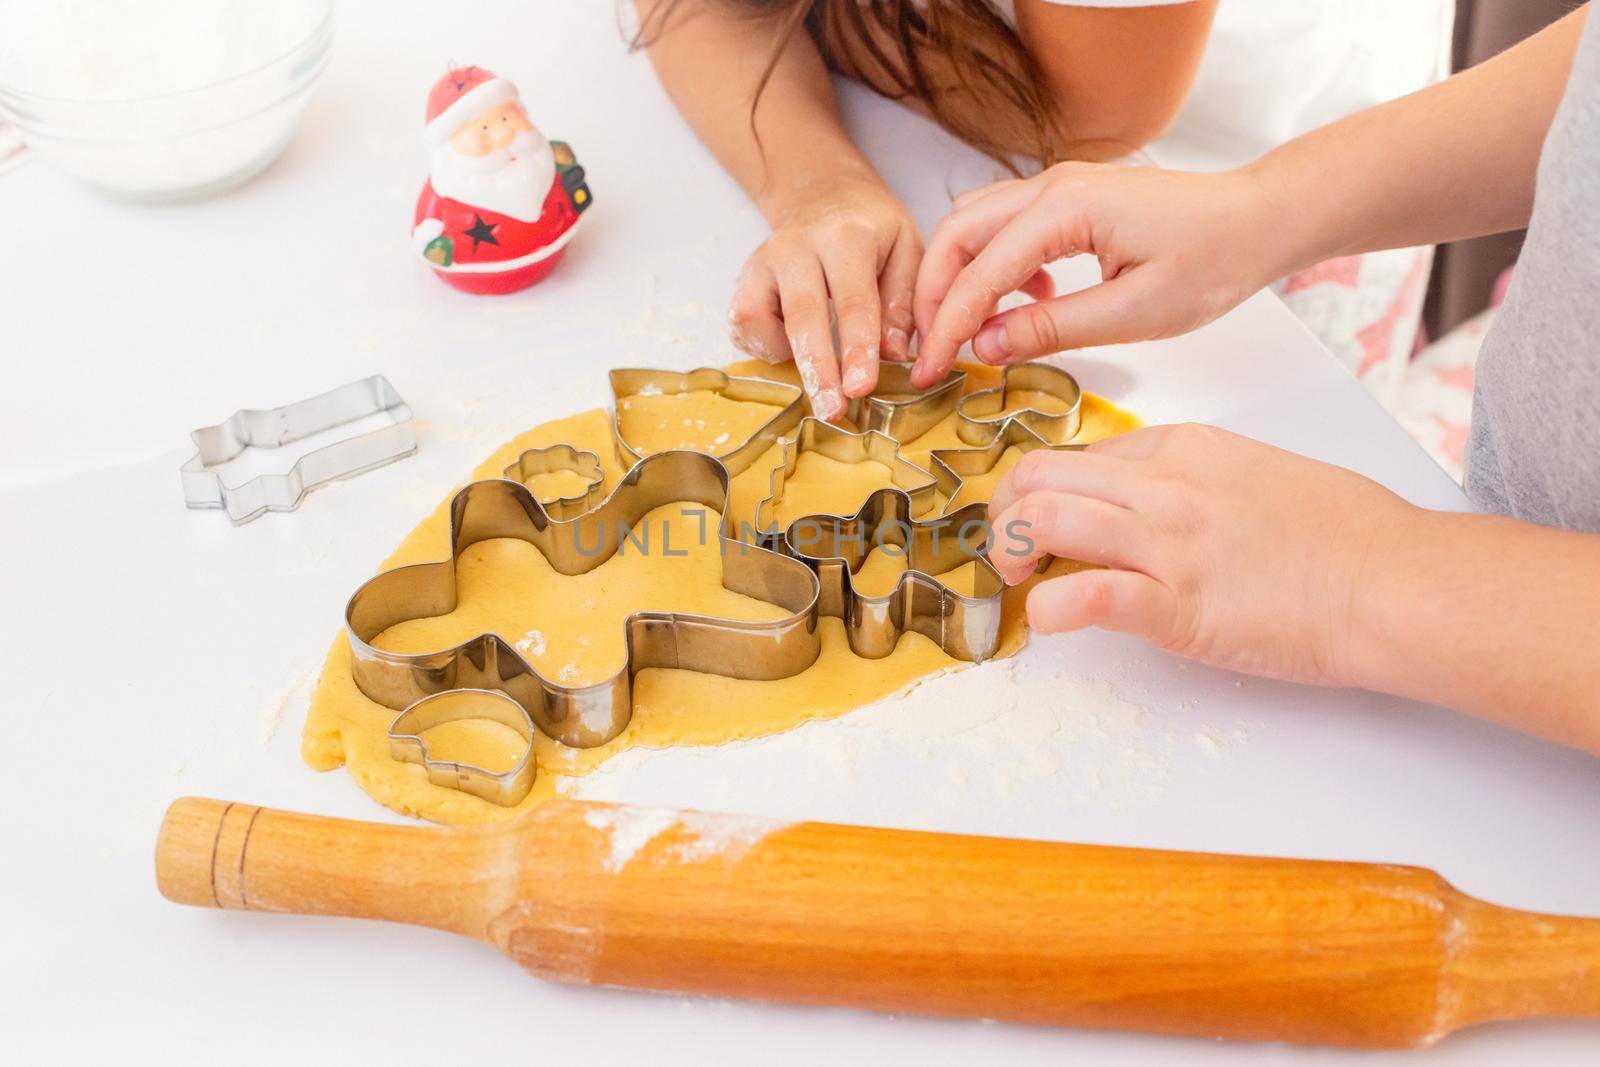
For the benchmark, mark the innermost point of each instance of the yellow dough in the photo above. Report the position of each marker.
(570, 627)
(553, 485)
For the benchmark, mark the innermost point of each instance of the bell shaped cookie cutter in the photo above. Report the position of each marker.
(584, 716)
(562, 457)
(899, 409)
(837, 443)
(406, 743)
(982, 415)
(642, 381)
(964, 627)
(246, 428)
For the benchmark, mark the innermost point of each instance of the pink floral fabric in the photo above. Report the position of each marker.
(1366, 310)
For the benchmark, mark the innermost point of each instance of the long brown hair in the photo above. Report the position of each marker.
(958, 59)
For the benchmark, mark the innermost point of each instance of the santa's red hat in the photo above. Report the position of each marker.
(462, 94)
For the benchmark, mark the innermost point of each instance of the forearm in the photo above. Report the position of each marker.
(1492, 616)
(1452, 161)
(711, 62)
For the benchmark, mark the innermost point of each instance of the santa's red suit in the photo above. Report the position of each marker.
(491, 252)
(478, 249)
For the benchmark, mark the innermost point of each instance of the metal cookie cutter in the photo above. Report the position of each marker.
(840, 444)
(406, 743)
(953, 466)
(965, 627)
(981, 415)
(562, 457)
(586, 715)
(362, 451)
(640, 381)
(899, 409)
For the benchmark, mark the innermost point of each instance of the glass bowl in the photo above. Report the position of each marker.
(177, 144)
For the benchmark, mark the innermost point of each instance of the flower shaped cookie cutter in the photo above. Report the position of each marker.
(562, 457)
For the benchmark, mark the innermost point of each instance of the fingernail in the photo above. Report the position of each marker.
(992, 345)
(899, 342)
(857, 381)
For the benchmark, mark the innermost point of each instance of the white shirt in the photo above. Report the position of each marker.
(1274, 69)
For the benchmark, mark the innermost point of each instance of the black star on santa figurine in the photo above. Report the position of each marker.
(501, 202)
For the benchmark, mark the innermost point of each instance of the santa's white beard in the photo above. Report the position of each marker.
(512, 181)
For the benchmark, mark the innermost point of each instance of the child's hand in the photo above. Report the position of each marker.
(1176, 250)
(848, 242)
(1218, 548)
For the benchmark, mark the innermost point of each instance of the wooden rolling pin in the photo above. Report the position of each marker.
(813, 913)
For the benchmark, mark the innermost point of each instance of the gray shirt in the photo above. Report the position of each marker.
(1535, 446)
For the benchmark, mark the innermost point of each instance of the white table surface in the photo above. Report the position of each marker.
(156, 652)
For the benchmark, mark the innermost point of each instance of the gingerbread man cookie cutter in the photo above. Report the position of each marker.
(964, 626)
(639, 381)
(583, 716)
(562, 457)
(982, 415)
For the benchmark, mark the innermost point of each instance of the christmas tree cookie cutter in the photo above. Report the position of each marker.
(843, 446)
(370, 400)
(642, 381)
(965, 627)
(982, 415)
(406, 743)
(897, 408)
(583, 716)
(556, 458)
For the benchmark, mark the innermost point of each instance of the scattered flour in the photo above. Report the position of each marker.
(704, 835)
(630, 829)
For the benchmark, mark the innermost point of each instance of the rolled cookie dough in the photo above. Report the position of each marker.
(570, 627)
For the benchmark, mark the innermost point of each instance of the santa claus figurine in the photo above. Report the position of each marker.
(501, 202)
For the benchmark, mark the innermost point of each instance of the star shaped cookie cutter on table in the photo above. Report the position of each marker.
(581, 716)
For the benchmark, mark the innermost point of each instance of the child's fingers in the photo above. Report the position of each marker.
(1126, 308)
(853, 288)
(1033, 237)
(1124, 601)
(897, 285)
(1062, 524)
(803, 296)
(754, 324)
(981, 191)
(1084, 473)
(1040, 285)
(958, 239)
